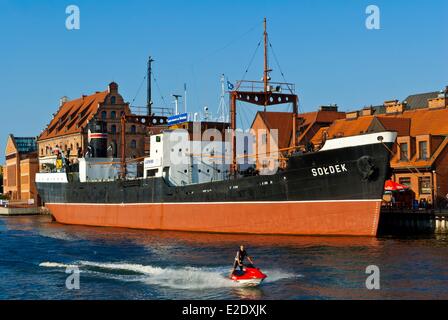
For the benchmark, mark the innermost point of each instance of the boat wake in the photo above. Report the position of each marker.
(188, 278)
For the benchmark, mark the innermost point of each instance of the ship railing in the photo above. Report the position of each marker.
(258, 86)
(159, 111)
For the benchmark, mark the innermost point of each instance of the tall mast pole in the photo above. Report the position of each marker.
(266, 67)
(149, 94)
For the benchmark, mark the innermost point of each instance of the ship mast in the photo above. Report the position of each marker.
(270, 94)
(266, 66)
(149, 89)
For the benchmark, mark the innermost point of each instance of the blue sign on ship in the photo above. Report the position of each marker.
(178, 118)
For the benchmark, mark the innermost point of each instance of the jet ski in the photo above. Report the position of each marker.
(249, 276)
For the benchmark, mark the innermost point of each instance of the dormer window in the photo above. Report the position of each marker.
(404, 152)
(423, 150)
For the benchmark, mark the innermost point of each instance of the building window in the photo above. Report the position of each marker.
(113, 100)
(104, 115)
(113, 115)
(404, 152)
(113, 129)
(424, 185)
(423, 150)
(114, 148)
(405, 181)
(133, 129)
(264, 138)
(133, 144)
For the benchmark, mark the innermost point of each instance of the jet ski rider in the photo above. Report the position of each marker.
(239, 259)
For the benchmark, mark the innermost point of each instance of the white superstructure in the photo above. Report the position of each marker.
(182, 161)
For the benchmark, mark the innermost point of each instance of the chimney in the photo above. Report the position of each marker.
(351, 115)
(394, 106)
(63, 100)
(331, 107)
(441, 101)
(367, 111)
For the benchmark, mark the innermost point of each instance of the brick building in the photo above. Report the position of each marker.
(420, 156)
(1, 179)
(68, 130)
(308, 125)
(20, 169)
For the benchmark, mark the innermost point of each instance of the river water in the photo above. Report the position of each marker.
(137, 264)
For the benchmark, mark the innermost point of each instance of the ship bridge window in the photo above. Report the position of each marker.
(233, 187)
(152, 172)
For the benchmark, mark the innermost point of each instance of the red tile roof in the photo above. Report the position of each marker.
(73, 116)
(401, 125)
(305, 123)
(282, 121)
(344, 128)
(318, 137)
(427, 121)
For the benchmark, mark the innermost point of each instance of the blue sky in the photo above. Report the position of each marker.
(322, 46)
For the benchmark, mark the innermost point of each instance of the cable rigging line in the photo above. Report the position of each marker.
(235, 39)
(251, 61)
(160, 91)
(276, 61)
(139, 88)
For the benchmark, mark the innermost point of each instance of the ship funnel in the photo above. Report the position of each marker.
(97, 137)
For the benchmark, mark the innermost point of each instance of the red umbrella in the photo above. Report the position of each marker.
(394, 186)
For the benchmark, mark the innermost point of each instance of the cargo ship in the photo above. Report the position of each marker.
(180, 185)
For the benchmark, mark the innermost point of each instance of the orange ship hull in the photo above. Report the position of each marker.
(343, 217)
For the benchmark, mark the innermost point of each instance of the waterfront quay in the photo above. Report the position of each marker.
(395, 221)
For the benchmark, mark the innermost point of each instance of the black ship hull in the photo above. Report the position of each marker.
(337, 191)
